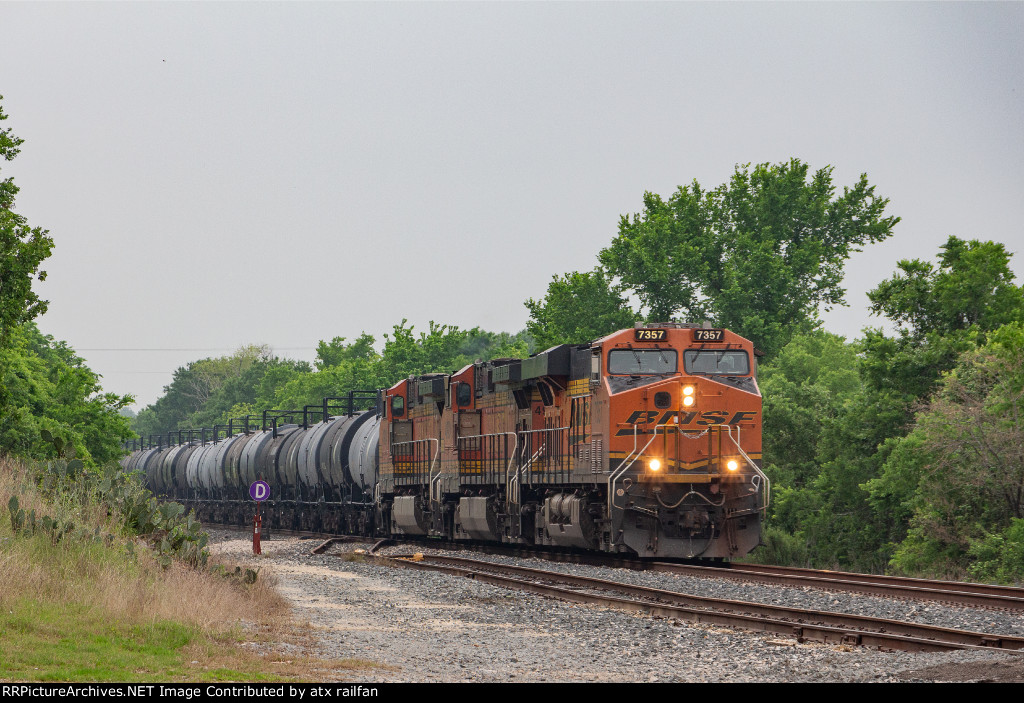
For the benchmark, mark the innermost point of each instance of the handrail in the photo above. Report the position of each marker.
(613, 479)
(511, 458)
(481, 436)
(517, 478)
(516, 483)
(417, 441)
(433, 462)
(544, 429)
(626, 465)
(750, 462)
(437, 479)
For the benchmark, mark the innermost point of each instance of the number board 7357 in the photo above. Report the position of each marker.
(650, 335)
(704, 335)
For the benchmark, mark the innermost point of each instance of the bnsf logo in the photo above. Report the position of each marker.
(708, 417)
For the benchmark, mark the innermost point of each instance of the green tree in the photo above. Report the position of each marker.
(440, 349)
(209, 392)
(960, 472)
(868, 481)
(344, 367)
(999, 556)
(941, 312)
(804, 388)
(759, 255)
(22, 251)
(334, 381)
(336, 351)
(202, 392)
(43, 384)
(577, 308)
(972, 286)
(481, 345)
(49, 388)
(843, 528)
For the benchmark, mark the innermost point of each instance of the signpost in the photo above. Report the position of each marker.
(259, 491)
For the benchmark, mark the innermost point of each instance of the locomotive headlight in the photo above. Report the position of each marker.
(688, 400)
(688, 390)
(654, 465)
(732, 465)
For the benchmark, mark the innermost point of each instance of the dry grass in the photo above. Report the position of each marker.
(128, 583)
(200, 599)
(236, 629)
(296, 665)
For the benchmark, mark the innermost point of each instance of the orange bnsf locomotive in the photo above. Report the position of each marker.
(645, 443)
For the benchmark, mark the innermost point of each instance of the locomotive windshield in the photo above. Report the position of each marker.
(640, 362)
(718, 362)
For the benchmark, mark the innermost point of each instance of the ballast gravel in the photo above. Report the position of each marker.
(924, 612)
(432, 627)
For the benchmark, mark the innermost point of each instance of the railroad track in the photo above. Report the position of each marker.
(957, 593)
(971, 594)
(799, 623)
(896, 581)
(954, 592)
(802, 624)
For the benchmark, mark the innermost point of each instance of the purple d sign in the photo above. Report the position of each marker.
(259, 491)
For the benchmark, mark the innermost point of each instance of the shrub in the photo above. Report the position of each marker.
(999, 557)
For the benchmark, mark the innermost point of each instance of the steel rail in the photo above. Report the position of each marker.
(803, 624)
(983, 595)
(898, 581)
(958, 593)
(953, 592)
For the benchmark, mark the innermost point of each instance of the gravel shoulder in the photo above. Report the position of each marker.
(427, 627)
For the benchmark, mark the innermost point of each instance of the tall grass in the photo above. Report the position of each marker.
(98, 605)
(115, 575)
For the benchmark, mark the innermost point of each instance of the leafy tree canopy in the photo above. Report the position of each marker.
(336, 352)
(941, 312)
(804, 388)
(22, 250)
(211, 391)
(443, 348)
(578, 307)
(869, 505)
(972, 286)
(203, 391)
(759, 254)
(344, 367)
(960, 473)
(45, 388)
(49, 388)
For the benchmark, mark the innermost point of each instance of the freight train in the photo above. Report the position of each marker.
(645, 443)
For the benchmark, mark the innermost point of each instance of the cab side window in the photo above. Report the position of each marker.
(397, 406)
(464, 395)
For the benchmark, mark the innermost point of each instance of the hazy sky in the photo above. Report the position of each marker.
(222, 174)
